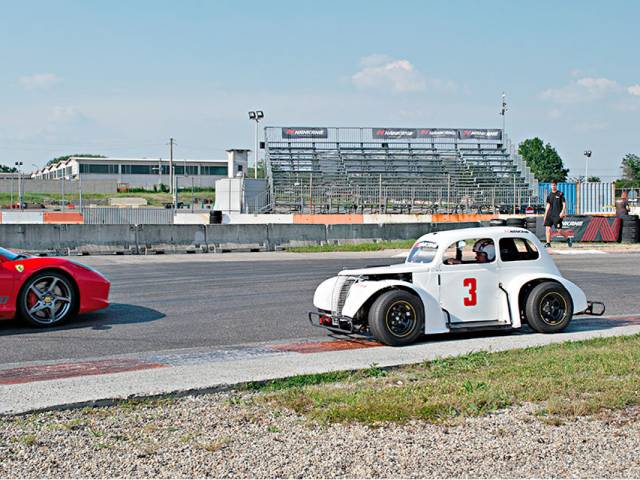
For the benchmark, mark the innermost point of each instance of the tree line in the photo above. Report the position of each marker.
(547, 165)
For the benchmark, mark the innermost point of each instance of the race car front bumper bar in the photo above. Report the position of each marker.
(318, 320)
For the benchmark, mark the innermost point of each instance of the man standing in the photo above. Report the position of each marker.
(622, 205)
(555, 211)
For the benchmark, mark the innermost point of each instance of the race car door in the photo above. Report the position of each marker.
(469, 284)
(7, 300)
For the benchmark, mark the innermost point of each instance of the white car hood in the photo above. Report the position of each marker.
(399, 268)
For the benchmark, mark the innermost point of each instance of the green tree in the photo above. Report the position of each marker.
(543, 160)
(630, 172)
(631, 167)
(593, 179)
(67, 157)
(5, 169)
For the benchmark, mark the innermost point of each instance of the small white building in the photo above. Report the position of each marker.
(148, 172)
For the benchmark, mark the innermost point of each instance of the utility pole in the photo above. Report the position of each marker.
(19, 170)
(256, 116)
(503, 111)
(172, 186)
(587, 154)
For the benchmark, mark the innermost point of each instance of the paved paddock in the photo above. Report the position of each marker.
(163, 303)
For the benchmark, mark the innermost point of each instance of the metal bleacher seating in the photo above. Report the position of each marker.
(350, 170)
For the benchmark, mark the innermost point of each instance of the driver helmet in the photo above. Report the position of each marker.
(485, 246)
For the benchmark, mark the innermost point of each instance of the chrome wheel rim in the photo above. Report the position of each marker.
(553, 308)
(401, 318)
(48, 299)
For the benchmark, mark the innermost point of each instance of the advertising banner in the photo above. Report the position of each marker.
(437, 133)
(393, 133)
(480, 134)
(591, 229)
(305, 132)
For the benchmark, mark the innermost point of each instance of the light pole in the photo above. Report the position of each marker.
(504, 110)
(62, 179)
(587, 154)
(256, 116)
(18, 165)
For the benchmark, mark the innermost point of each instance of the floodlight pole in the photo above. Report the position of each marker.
(587, 154)
(256, 115)
(503, 112)
(255, 165)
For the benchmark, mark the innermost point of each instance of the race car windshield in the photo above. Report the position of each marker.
(422, 252)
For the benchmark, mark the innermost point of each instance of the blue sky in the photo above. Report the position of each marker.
(121, 77)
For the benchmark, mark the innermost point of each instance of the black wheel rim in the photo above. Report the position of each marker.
(553, 308)
(401, 318)
(48, 299)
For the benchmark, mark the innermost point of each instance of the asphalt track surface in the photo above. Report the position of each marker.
(164, 303)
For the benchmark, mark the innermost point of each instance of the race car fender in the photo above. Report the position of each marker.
(324, 293)
(514, 285)
(435, 320)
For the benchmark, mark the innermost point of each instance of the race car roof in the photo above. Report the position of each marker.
(450, 236)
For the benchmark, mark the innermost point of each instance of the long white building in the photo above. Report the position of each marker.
(148, 172)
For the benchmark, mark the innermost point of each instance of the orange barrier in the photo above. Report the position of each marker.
(63, 217)
(461, 217)
(328, 219)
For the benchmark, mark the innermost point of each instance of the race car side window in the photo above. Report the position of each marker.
(473, 250)
(515, 249)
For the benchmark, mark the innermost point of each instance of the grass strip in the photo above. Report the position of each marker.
(354, 247)
(566, 380)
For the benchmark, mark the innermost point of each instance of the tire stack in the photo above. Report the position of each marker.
(530, 224)
(630, 231)
(516, 222)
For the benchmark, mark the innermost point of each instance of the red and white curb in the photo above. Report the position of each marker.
(25, 388)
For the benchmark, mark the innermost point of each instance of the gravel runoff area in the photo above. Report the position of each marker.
(233, 434)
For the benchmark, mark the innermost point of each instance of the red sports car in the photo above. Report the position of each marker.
(46, 291)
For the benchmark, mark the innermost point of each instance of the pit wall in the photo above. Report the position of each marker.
(66, 239)
(339, 219)
(22, 217)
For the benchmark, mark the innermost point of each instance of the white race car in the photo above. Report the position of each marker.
(456, 280)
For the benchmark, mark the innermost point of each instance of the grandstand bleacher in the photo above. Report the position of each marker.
(318, 169)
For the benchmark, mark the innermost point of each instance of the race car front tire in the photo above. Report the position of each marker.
(47, 299)
(396, 318)
(549, 308)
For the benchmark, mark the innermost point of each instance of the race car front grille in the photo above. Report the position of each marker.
(340, 293)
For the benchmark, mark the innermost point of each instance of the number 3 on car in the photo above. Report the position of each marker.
(498, 278)
(471, 284)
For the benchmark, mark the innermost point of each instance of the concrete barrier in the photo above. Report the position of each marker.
(191, 219)
(397, 218)
(226, 237)
(295, 235)
(22, 217)
(63, 217)
(170, 238)
(257, 219)
(63, 239)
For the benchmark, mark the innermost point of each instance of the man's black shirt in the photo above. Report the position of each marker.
(556, 200)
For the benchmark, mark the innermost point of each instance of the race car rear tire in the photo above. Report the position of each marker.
(47, 299)
(549, 307)
(396, 318)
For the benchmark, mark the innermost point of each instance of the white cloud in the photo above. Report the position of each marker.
(380, 72)
(582, 90)
(66, 115)
(634, 90)
(39, 81)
